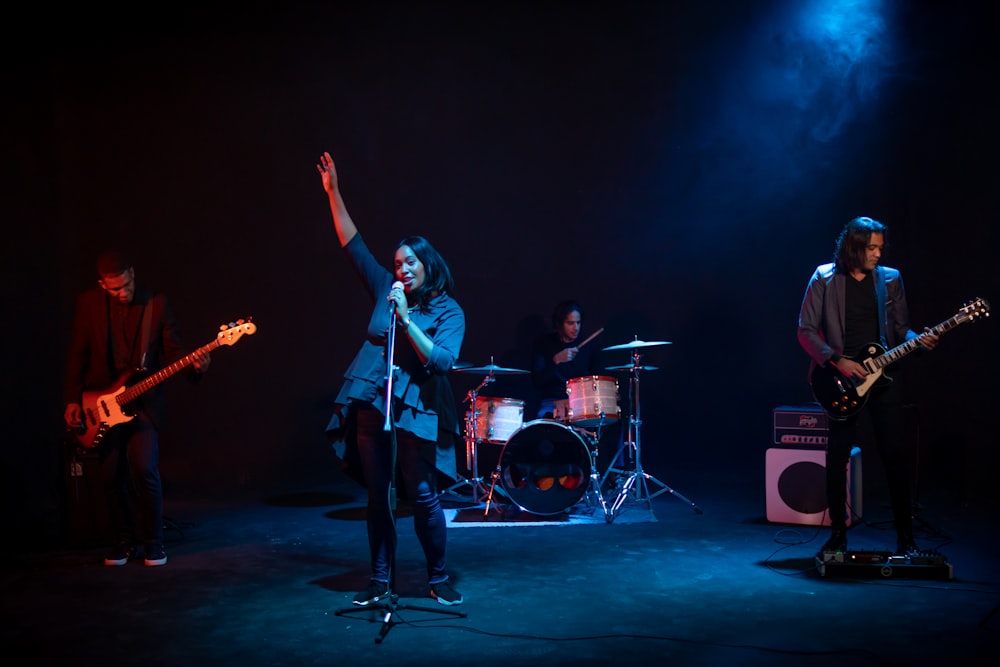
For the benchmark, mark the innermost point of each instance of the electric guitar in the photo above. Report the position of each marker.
(842, 397)
(104, 410)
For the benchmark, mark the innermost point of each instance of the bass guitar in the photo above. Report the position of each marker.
(841, 396)
(104, 410)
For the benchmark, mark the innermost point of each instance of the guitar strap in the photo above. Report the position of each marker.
(146, 317)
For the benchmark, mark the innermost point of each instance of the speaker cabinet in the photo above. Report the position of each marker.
(796, 486)
(87, 519)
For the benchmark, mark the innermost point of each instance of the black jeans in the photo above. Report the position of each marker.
(131, 474)
(375, 450)
(885, 408)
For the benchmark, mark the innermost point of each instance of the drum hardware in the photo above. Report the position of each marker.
(472, 422)
(631, 481)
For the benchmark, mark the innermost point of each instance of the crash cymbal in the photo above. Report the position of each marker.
(638, 343)
(629, 367)
(461, 364)
(493, 369)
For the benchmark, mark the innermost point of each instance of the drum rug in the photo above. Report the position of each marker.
(506, 516)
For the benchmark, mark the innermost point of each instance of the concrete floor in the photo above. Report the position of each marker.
(699, 579)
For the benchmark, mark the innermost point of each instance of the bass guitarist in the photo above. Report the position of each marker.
(121, 330)
(848, 305)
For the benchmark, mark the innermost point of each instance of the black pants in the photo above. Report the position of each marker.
(885, 408)
(130, 470)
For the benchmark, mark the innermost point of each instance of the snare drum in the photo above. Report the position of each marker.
(593, 400)
(497, 418)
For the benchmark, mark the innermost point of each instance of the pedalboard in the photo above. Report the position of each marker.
(924, 564)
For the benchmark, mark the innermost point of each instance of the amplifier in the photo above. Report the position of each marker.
(801, 425)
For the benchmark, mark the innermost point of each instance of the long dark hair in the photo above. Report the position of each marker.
(852, 244)
(437, 275)
(562, 309)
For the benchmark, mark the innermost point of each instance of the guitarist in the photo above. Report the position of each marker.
(119, 329)
(848, 304)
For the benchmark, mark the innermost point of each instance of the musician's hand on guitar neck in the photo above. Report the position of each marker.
(928, 339)
(201, 360)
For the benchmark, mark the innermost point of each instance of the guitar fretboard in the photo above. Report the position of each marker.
(903, 349)
(139, 388)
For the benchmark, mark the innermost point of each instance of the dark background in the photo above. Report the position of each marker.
(679, 168)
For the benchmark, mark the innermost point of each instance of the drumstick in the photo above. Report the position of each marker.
(591, 337)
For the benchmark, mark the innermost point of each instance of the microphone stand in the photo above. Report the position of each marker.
(389, 376)
(389, 606)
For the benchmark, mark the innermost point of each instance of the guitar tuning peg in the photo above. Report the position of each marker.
(223, 327)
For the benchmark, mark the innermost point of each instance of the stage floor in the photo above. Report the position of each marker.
(260, 582)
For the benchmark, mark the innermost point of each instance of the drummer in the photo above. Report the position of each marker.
(559, 356)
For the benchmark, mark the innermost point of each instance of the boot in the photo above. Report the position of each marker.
(837, 541)
(906, 545)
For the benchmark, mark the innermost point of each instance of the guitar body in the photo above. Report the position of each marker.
(844, 397)
(101, 411)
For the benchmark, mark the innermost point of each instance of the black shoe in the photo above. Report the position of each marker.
(837, 541)
(121, 554)
(445, 594)
(377, 590)
(155, 555)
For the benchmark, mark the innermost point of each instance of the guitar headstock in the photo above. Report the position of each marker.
(232, 332)
(976, 309)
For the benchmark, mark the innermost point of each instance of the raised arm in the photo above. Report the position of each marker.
(346, 230)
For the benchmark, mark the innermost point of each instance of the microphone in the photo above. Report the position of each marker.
(398, 285)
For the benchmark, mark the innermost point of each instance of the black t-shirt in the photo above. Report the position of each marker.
(860, 314)
(549, 378)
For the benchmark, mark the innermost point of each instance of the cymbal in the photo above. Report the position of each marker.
(461, 364)
(629, 367)
(638, 343)
(493, 369)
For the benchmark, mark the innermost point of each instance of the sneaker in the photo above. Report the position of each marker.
(155, 555)
(120, 555)
(445, 594)
(377, 590)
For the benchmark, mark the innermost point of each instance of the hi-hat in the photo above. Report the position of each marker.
(492, 369)
(638, 343)
(629, 367)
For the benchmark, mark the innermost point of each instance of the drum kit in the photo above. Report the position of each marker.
(548, 466)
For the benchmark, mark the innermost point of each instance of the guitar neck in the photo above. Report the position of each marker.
(903, 349)
(164, 373)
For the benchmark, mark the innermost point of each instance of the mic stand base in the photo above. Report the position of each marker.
(388, 610)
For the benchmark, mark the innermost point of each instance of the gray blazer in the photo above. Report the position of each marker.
(821, 317)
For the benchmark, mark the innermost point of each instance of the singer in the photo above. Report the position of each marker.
(430, 328)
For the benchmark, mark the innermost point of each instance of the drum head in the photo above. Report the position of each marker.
(545, 467)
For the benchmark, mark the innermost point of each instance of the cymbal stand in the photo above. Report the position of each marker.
(632, 482)
(472, 447)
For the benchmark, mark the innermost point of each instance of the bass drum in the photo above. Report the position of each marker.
(545, 467)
